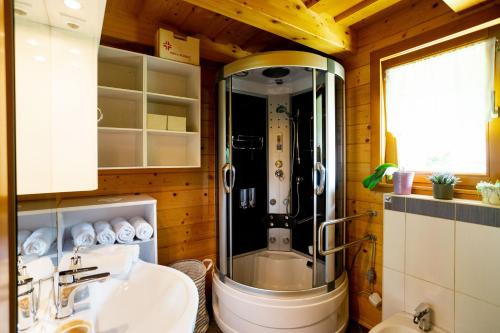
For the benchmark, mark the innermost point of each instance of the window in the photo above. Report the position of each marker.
(437, 110)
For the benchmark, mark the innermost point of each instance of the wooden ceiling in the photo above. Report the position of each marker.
(231, 29)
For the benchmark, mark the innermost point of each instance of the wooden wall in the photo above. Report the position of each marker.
(408, 20)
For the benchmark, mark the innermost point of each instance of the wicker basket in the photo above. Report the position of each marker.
(197, 271)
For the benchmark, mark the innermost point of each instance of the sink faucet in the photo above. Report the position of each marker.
(422, 317)
(70, 282)
(27, 304)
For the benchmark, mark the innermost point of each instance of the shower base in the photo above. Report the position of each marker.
(274, 295)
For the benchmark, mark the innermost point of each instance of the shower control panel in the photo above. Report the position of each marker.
(279, 221)
(279, 239)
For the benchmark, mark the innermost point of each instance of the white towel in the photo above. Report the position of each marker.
(116, 259)
(124, 231)
(104, 233)
(39, 241)
(83, 234)
(22, 235)
(143, 230)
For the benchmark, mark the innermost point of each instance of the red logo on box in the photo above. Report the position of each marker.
(167, 45)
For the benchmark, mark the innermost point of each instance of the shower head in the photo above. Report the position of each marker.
(282, 109)
(276, 72)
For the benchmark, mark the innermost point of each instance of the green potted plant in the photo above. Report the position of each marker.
(443, 184)
(386, 169)
(490, 192)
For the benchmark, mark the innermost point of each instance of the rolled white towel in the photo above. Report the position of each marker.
(143, 230)
(39, 241)
(22, 235)
(104, 233)
(83, 234)
(124, 231)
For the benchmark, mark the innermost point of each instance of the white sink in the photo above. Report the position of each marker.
(401, 323)
(153, 298)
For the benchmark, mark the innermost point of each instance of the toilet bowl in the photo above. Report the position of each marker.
(401, 323)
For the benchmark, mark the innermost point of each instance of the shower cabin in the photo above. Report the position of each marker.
(281, 159)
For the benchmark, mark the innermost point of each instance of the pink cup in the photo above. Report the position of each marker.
(402, 181)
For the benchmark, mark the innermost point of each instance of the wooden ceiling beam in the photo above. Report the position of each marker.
(333, 8)
(290, 19)
(361, 10)
(459, 5)
(124, 26)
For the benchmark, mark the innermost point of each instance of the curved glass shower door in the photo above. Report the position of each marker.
(275, 128)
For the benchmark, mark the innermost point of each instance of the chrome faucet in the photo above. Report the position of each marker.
(27, 304)
(422, 317)
(70, 282)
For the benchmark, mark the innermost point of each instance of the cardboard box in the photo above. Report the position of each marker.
(176, 47)
(157, 122)
(177, 124)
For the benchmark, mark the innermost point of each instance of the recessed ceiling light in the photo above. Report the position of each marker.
(20, 12)
(73, 4)
(73, 25)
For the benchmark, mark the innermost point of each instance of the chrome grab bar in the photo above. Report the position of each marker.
(323, 225)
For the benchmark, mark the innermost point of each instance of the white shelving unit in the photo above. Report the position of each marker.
(33, 215)
(133, 85)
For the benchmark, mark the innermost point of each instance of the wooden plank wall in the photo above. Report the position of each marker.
(410, 19)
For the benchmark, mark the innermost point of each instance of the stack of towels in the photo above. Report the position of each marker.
(37, 242)
(117, 230)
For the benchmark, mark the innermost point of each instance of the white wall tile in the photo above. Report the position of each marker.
(440, 299)
(475, 316)
(430, 249)
(478, 261)
(394, 240)
(392, 292)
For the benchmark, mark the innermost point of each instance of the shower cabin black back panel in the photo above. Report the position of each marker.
(249, 119)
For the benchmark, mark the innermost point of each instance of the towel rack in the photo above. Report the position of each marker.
(323, 225)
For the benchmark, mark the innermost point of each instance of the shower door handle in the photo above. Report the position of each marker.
(225, 169)
(319, 188)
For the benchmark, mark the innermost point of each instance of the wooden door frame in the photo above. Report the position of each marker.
(8, 301)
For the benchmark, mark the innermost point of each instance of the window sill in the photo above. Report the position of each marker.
(426, 189)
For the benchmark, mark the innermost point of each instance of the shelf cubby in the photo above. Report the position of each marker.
(133, 85)
(120, 147)
(120, 69)
(120, 108)
(169, 77)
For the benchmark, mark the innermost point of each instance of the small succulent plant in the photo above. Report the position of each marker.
(444, 178)
(490, 192)
(481, 186)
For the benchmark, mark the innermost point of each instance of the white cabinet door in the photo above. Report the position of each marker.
(56, 102)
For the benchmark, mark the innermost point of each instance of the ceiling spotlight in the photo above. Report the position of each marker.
(73, 4)
(242, 74)
(72, 25)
